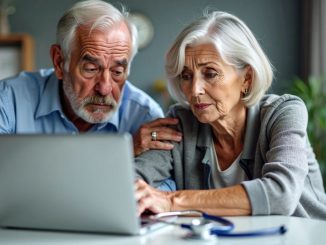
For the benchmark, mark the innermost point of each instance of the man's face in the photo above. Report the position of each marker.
(97, 72)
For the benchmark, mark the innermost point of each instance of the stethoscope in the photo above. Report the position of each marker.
(206, 225)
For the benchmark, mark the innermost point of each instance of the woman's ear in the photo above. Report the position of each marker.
(57, 60)
(248, 77)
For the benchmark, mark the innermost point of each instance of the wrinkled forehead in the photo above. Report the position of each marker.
(204, 51)
(115, 39)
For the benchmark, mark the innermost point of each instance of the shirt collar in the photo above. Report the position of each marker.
(50, 99)
(252, 132)
(203, 131)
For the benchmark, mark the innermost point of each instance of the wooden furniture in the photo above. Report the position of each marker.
(16, 54)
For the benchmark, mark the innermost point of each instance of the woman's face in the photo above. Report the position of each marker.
(212, 87)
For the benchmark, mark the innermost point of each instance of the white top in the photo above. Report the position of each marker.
(233, 175)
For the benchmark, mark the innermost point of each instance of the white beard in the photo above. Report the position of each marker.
(78, 105)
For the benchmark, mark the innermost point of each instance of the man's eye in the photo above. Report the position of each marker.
(91, 69)
(117, 72)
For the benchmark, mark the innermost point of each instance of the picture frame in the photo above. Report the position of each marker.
(16, 54)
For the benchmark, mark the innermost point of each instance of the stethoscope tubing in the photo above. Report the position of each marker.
(227, 225)
(226, 228)
(262, 232)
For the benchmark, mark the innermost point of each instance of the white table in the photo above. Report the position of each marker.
(301, 231)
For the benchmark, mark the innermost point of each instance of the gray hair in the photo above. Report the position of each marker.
(96, 14)
(234, 42)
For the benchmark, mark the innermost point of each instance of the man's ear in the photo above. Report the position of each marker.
(57, 60)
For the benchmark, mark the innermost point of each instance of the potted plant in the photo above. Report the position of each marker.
(314, 96)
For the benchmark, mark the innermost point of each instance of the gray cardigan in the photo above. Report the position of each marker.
(283, 174)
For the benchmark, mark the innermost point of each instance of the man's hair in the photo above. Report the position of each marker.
(95, 14)
(234, 42)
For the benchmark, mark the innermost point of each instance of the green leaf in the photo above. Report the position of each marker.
(312, 93)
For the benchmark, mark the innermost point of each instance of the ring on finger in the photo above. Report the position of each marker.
(154, 135)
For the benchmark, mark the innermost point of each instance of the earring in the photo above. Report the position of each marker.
(245, 92)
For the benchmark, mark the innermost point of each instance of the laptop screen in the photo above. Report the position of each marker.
(68, 182)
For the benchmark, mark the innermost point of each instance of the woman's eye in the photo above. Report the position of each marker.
(186, 77)
(210, 75)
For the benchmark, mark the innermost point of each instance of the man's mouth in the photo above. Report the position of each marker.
(100, 106)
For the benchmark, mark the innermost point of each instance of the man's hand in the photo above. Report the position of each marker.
(151, 135)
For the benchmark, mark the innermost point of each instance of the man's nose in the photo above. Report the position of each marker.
(104, 83)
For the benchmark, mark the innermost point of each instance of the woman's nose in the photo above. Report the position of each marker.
(197, 86)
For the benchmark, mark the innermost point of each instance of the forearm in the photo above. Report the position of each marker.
(226, 201)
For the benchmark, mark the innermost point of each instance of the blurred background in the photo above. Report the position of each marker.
(291, 32)
(276, 23)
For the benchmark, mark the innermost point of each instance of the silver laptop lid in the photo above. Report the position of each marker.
(66, 182)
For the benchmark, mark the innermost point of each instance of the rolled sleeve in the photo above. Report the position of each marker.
(257, 196)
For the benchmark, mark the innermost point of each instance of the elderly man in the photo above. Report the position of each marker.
(87, 91)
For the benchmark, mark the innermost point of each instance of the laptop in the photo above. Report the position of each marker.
(69, 182)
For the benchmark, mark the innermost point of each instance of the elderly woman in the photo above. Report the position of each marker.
(243, 152)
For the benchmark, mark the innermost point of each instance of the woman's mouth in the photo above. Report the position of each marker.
(201, 106)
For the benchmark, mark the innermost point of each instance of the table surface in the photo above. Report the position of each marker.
(300, 231)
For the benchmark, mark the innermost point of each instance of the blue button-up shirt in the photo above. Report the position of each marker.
(30, 103)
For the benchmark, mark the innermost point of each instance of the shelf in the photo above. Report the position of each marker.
(16, 54)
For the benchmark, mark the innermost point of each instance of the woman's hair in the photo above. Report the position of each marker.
(234, 42)
(95, 14)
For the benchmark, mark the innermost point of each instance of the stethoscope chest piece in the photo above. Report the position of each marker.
(203, 237)
(200, 229)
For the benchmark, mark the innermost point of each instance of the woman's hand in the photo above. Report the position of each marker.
(155, 134)
(151, 199)
(225, 201)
